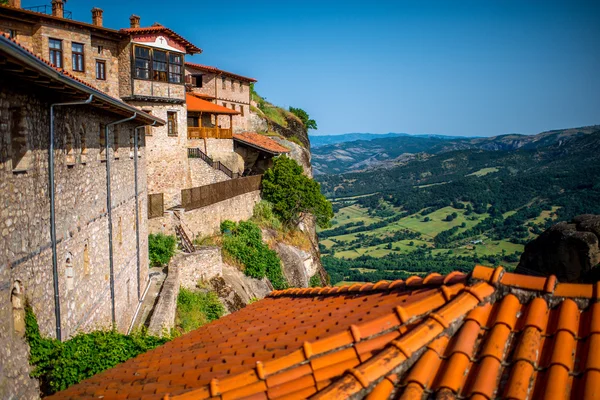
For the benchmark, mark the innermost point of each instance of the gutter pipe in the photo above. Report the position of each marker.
(109, 209)
(51, 190)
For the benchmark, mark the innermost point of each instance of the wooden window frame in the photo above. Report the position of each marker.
(102, 76)
(159, 70)
(78, 56)
(56, 54)
(197, 80)
(172, 123)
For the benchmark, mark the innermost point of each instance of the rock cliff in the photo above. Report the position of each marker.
(568, 250)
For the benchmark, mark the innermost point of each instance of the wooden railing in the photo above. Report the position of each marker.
(209, 133)
(203, 196)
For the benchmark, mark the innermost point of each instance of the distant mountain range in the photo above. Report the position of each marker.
(392, 150)
(323, 140)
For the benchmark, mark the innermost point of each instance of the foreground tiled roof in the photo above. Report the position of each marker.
(218, 71)
(260, 141)
(195, 103)
(489, 334)
(189, 46)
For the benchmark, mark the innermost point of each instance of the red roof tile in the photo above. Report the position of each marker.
(218, 71)
(474, 336)
(190, 47)
(195, 103)
(261, 141)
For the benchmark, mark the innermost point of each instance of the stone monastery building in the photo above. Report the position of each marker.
(102, 134)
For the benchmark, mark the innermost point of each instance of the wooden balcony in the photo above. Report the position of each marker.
(209, 133)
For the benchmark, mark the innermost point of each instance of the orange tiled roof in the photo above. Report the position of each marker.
(189, 46)
(489, 334)
(195, 103)
(218, 71)
(260, 141)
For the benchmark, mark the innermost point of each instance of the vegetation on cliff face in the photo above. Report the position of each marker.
(294, 195)
(59, 365)
(161, 248)
(243, 243)
(196, 308)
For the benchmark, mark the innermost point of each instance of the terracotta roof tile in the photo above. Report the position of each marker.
(195, 103)
(190, 48)
(269, 145)
(218, 71)
(484, 336)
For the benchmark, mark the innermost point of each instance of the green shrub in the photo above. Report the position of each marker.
(245, 245)
(59, 365)
(195, 309)
(161, 248)
(293, 194)
(303, 115)
(264, 216)
(315, 281)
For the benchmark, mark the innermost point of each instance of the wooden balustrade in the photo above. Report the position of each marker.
(203, 132)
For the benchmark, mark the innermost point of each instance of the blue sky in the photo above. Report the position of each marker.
(448, 67)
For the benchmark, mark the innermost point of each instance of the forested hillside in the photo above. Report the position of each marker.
(445, 211)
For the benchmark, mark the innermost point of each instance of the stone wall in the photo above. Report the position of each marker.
(35, 38)
(158, 89)
(185, 270)
(81, 215)
(167, 163)
(202, 174)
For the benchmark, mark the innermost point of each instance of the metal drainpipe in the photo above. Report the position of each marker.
(137, 207)
(53, 211)
(109, 208)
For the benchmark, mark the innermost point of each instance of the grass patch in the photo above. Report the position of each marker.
(195, 309)
(484, 171)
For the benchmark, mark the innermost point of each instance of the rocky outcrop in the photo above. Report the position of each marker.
(568, 250)
(236, 290)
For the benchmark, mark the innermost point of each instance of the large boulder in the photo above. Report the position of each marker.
(568, 250)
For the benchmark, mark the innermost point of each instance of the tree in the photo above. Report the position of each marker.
(294, 195)
(303, 115)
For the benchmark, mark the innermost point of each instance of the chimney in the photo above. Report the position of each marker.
(97, 16)
(58, 8)
(14, 3)
(134, 21)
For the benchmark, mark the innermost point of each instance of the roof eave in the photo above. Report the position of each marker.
(24, 57)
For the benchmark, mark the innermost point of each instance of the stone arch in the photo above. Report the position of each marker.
(17, 300)
(69, 271)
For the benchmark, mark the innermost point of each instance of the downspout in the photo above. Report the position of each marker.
(53, 211)
(137, 207)
(109, 208)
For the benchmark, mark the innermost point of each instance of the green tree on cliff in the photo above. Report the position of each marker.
(303, 115)
(294, 195)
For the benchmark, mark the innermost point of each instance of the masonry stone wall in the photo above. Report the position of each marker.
(185, 271)
(202, 174)
(35, 37)
(167, 163)
(81, 214)
(158, 89)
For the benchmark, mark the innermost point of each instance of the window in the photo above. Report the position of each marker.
(224, 104)
(142, 62)
(69, 148)
(56, 53)
(148, 128)
(116, 137)
(18, 305)
(12, 33)
(100, 49)
(86, 259)
(175, 68)
(131, 144)
(172, 123)
(101, 70)
(223, 82)
(242, 110)
(197, 80)
(241, 87)
(159, 66)
(83, 144)
(77, 55)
